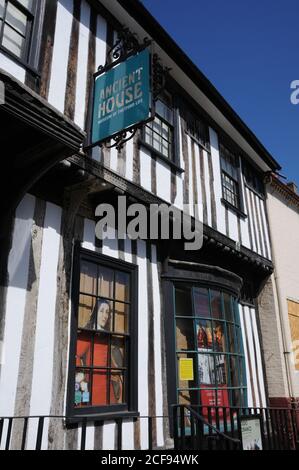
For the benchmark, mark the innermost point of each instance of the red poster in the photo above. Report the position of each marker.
(208, 398)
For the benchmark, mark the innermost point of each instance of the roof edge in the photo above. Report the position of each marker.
(282, 188)
(138, 11)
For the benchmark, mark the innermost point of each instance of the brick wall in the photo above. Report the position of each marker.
(272, 343)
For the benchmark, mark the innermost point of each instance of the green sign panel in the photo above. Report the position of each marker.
(121, 97)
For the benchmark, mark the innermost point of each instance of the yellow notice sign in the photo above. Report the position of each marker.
(186, 369)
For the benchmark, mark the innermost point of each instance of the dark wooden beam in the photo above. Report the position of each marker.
(28, 107)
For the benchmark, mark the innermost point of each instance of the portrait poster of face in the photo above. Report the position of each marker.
(92, 388)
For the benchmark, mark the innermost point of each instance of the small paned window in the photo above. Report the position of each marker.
(16, 26)
(253, 179)
(159, 134)
(230, 177)
(198, 129)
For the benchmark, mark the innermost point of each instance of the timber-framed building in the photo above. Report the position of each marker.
(114, 384)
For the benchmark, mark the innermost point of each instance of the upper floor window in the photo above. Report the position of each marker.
(104, 342)
(16, 26)
(230, 177)
(159, 134)
(198, 129)
(253, 179)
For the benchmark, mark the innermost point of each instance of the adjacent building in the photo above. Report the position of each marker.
(111, 333)
(282, 205)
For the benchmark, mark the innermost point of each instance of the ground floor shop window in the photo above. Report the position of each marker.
(209, 349)
(104, 328)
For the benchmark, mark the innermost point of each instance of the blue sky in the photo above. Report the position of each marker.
(249, 50)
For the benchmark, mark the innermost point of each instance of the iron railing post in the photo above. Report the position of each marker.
(83, 434)
(150, 433)
(24, 435)
(182, 428)
(175, 427)
(8, 436)
(119, 434)
(39, 434)
(1, 429)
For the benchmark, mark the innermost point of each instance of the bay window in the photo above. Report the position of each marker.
(208, 331)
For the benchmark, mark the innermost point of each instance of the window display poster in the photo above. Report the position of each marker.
(186, 370)
(211, 367)
(251, 433)
(210, 397)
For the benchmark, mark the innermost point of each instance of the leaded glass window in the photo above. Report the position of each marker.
(208, 332)
(230, 177)
(16, 23)
(159, 134)
(103, 335)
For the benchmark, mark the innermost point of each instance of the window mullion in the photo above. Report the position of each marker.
(197, 383)
(15, 30)
(230, 371)
(214, 385)
(28, 37)
(109, 371)
(227, 356)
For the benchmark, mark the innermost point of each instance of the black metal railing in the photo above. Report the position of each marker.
(192, 428)
(189, 431)
(17, 434)
(219, 428)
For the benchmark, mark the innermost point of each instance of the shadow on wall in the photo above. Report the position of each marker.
(32, 216)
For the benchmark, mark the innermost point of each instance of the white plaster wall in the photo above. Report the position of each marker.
(82, 65)
(145, 169)
(18, 265)
(163, 181)
(253, 357)
(12, 67)
(220, 211)
(41, 392)
(62, 39)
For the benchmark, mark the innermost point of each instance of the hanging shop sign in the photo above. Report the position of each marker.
(121, 98)
(124, 91)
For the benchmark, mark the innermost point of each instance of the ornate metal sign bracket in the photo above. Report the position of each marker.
(127, 45)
